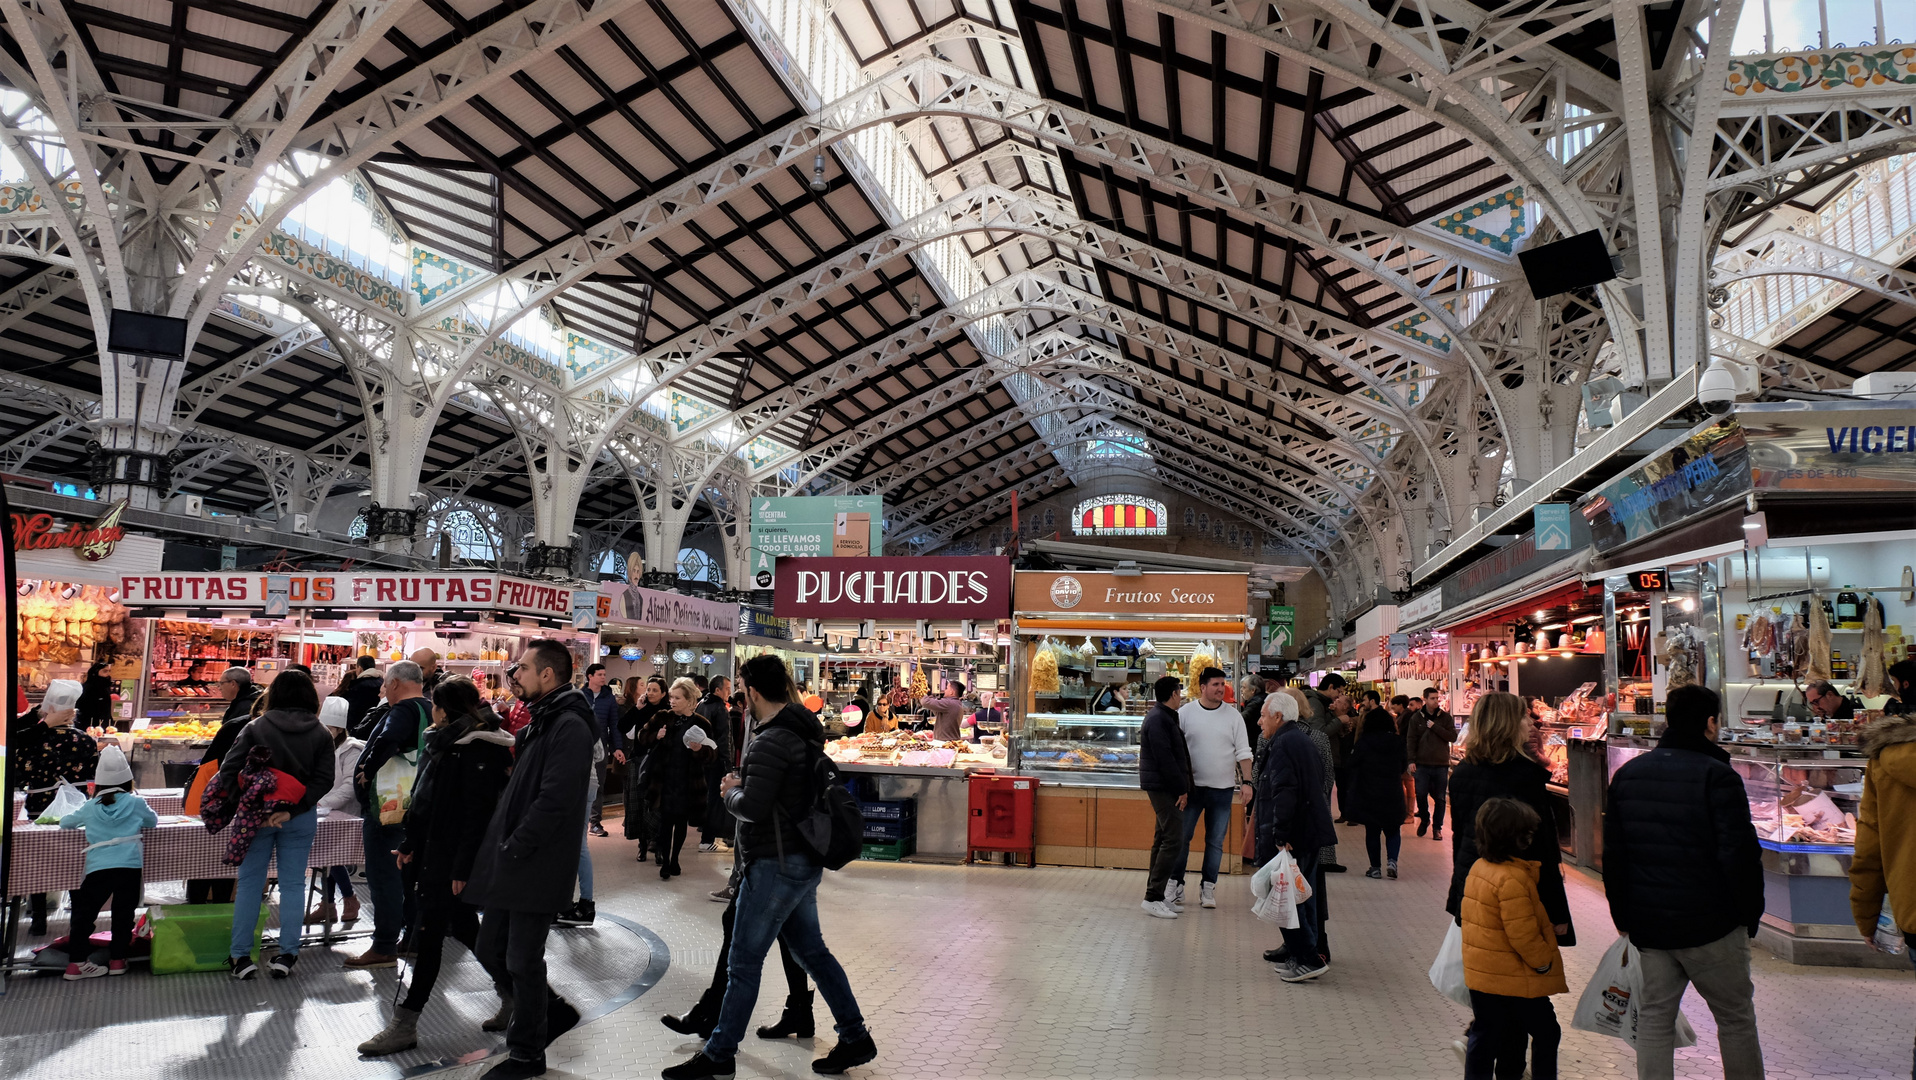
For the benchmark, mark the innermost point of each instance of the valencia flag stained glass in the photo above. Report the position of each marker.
(1119, 515)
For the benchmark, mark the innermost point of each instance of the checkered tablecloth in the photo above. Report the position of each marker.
(162, 800)
(47, 857)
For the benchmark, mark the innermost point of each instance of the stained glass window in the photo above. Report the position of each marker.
(1119, 515)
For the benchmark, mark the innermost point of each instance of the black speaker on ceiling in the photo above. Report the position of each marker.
(140, 334)
(1577, 262)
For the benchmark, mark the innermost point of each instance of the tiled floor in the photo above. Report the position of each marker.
(993, 971)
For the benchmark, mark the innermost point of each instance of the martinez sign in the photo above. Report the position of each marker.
(894, 587)
(93, 543)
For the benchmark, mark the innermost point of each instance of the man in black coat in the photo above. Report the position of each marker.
(1684, 875)
(1293, 814)
(716, 708)
(523, 875)
(1164, 773)
(362, 696)
(778, 891)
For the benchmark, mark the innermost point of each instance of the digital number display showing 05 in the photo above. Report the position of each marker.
(1651, 580)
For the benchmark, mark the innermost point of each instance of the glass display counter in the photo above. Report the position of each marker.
(1087, 699)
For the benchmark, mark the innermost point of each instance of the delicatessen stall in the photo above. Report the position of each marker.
(645, 632)
(1758, 555)
(905, 630)
(1088, 649)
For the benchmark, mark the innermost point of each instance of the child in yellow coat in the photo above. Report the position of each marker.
(1511, 961)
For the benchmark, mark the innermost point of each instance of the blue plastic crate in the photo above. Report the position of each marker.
(888, 809)
(890, 830)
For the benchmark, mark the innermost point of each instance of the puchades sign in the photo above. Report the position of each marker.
(895, 587)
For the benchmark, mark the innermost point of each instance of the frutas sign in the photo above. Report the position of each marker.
(897, 587)
(92, 542)
(350, 591)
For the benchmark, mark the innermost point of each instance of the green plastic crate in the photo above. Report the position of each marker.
(890, 852)
(196, 937)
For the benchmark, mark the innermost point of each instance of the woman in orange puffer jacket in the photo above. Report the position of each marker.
(1511, 961)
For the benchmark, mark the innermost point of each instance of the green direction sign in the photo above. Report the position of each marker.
(1280, 629)
(814, 525)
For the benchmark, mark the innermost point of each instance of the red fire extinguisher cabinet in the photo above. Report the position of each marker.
(1003, 810)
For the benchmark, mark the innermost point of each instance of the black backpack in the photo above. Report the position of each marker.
(834, 830)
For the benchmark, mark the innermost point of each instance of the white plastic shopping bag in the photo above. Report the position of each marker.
(66, 799)
(1447, 971)
(1611, 1002)
(1283, 889)
(393, 787)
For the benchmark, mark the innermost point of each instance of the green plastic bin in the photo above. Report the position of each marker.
(196, 937)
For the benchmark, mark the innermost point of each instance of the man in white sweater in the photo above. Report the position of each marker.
(1220, 766)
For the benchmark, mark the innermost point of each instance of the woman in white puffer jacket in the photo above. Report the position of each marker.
(339, 800)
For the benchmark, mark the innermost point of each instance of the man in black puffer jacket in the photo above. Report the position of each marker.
(779, 888)
(1164, 773)
(522, 877)
(1685, 879)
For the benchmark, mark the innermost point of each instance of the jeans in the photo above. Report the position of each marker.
(440, 916)
(780, 896)
(714, 996)
(512, 947)
(1302, 941)
(596, 804)
(585, 867)
(1391, 837)
(1215, 804)
(1433, 781)
(1720, 971)
(121, 884)
(339, 881)
(1168, 844)
(1501, 1029)
(392, 906)
(292, 841)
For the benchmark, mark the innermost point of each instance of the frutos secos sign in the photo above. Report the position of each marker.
(910, 587)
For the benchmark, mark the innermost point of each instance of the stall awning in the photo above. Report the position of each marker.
(1232, 629)
(1555, 583)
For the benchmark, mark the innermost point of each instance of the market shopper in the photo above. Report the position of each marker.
(1374, 793)
(342, 799)
(1497, 765)
(115, 856)
(428, 662)
(523, 873)
(1401, 710)
(677, 771)
(1884, 865)
(461, 773)
(1428, 735)
(397, 732)
(1164, 773)
(605, 710)
(1220, 760)
(779, 890)
(715, 709)
(645, 702)
(242, 694)
(1684, 876)
(1511, 962)
(293, 743)
(1293, 814)
(362, 695)
(45, 748)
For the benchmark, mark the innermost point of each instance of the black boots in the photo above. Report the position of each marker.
(701, 1020)
(795, 1021)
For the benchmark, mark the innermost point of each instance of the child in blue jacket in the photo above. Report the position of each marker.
(112, 819)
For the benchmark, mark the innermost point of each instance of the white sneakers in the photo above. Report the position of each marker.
(1207, 894)
(1174, 895)
(1159, 909)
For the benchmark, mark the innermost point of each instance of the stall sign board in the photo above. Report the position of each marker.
(11, 663)
(894, 587)
(1399, 645)
(815, 526)
(1280, 628)
(585, 609)
(1700, 473)
(91, 542)
(1217, 596)
(349, 591)
(1515, 560)
(1552, 526)
(675, 611)
(757, 622)
(1831, 451)
(1421, 607)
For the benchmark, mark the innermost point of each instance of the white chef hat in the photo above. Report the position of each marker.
(113, 769)
(332, 712)
(62, 694)
(696, 737)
